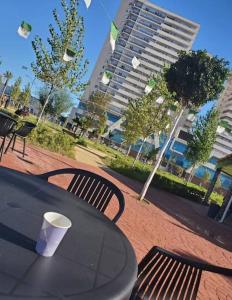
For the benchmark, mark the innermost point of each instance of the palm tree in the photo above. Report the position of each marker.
(8, 75)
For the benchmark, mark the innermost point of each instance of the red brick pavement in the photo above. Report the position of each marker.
(168, 221)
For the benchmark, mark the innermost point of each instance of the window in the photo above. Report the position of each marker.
(213, 160)
(183, 135)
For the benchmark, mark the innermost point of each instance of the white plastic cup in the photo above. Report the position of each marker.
(52, 232)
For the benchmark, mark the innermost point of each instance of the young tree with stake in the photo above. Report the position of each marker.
(8, 76)
(16, 90)
(203, 137)
(148, 114)
(63, 66)
(195, 78)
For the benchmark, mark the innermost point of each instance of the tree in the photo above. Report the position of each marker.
(195, 78)
(151, 154)
(60, 101)
(8, 76)
(101, 124)
(206, 177)
(85, 124)
(25, 96)
(16, 90)
(96, 106)
(42, 97)
(54, 67)
(203, 137)
(149, 114)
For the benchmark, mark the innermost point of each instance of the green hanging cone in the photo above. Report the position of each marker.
(24, 29)
(150, 85)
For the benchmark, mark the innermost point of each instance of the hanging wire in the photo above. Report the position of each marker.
(105, 10)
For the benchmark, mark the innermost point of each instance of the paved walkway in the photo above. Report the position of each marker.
(90, 156)
(168, 221)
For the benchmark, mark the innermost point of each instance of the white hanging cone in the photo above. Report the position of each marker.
(106, 77)
(168, 125)
(87, 3)
(149, 86)
(224, 126)
(148, 89)
(24, 30)
(113, 36)
(69, 55)
(220, 129)
(169, 112)
(135, 62)
(159, 100)
(191, 117)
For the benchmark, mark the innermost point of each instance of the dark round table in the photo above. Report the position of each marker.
(94, 261)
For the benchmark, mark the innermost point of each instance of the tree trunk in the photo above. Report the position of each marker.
(156, 166)
(128, 151)
(169, 161)
(45, 104)
(138, 154)
(191, 174)
(3, 91)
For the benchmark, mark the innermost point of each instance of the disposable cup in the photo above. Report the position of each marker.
(52, 232)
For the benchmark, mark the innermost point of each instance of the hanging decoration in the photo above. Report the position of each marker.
(169, 112)
(150, 85)
(69, 55)
(113, 35)
(135, 62)
(87, 3)
(24, 29)
(106, 77)
(223, 126)
(160, 100)
(168, 125)
(191, 115)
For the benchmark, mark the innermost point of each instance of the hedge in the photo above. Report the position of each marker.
(53, 140)
(162, 180)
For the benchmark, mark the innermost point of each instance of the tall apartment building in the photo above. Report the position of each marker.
(223, 144)
(151, 34)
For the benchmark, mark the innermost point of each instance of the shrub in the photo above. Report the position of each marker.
(162, 180)
(53, 140)
(82, 141)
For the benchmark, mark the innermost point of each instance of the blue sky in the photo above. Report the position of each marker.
(214, 16)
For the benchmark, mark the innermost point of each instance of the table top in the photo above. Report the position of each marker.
(94, 260)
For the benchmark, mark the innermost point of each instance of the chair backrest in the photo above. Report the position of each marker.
(164, 275)
(93, 188)
(25, 129)
(6, 124)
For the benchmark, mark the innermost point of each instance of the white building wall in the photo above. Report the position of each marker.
(152, 34)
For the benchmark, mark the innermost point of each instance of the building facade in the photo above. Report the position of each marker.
(222, 146)
(151, 34)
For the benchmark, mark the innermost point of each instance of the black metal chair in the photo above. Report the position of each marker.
(7, 125)
(164, 275)
(22, 132)
(93, 188)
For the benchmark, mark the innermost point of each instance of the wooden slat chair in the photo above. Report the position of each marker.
(93, 188)
(164, 275)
